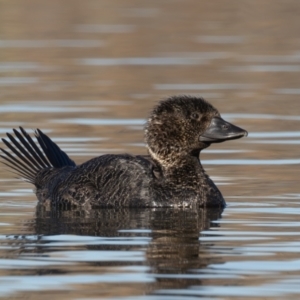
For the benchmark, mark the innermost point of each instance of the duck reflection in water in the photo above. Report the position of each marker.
(170, 176)
(172, 235)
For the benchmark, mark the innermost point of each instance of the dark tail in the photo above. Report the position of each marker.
(29, 159)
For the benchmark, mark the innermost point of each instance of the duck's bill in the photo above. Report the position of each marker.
(219, 131)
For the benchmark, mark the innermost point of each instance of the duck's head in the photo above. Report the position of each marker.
(184, 125)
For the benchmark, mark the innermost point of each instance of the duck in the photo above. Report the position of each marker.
(170, 175)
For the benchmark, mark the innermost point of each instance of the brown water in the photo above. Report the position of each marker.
(88, 73)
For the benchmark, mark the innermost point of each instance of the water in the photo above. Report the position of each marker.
(88, 75)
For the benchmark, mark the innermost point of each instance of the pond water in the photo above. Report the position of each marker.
(88, 73)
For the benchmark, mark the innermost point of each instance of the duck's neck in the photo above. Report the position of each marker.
(186, 168)
(179, 168)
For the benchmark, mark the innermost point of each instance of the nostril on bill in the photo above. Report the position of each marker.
(225, 127)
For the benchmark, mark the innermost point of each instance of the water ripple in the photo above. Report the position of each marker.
(50, 43)
(141, 61)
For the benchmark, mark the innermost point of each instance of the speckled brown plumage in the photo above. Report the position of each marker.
(170, 176)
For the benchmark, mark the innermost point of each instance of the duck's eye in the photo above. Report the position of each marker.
(195, 116)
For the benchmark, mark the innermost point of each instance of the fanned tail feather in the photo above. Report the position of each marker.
(28, 159)
(55, 155)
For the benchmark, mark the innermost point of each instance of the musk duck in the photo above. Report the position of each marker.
(171, 175)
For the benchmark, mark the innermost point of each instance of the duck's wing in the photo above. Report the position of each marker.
(114, 180)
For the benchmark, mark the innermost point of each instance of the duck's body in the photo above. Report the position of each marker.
(171, 176)
(126, 181)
